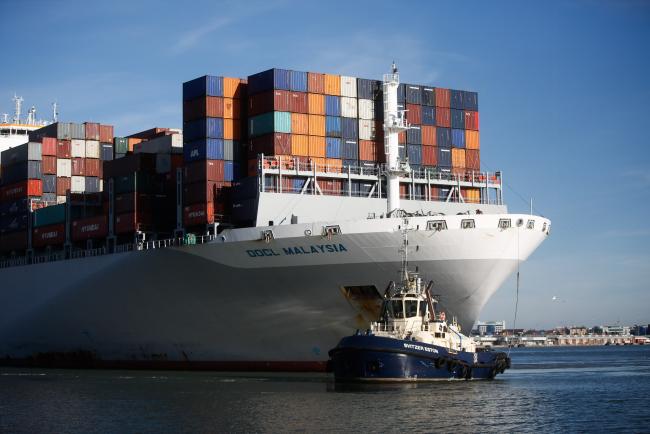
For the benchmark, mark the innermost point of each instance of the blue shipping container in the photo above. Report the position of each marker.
(443, 137)
(332, 105)
(458, 119)
(369, 89)
(350, 150)
(269, 80)
(332, 126)
(414, 153)
(333, 148)
(401, 93)
(444, 157)
(350, 128)
(207, 85)
(211, 128)
(428, 96)
(204, 149)
(456, 99)
(49, 183)
(298, 81)
(350, 163)
(413, 94)
(428, 115)
(230, 171)
(106, 152)
(92, 184)
(298, 184)
(414, 136)
(458, 138)
(470, 101)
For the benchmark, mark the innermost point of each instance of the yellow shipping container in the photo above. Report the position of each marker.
(472, 139)
(231, 129)
(317, 146)
(317, 125)
(300, 145)
(232, 87)
(471, 195)
(333, 84)
(299, 123)
(316, 104)
(457, 158)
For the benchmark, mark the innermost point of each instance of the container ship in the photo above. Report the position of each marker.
(257, 236)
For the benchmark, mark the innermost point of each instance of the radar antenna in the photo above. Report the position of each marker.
(18, 101)
(31, 116)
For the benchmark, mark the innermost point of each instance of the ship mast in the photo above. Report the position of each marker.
(18, 101)
(394, 123)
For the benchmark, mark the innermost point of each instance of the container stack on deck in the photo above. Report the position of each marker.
(213, 111)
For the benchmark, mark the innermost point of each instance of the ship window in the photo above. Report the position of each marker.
(467, 224)
(398, 309)
(530, 224)
(423, 309)
(505, 223)
(437, 335)
(544, 227)
(411, 308)
(436, 225)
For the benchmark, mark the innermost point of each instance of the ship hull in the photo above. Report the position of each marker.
(238, 302)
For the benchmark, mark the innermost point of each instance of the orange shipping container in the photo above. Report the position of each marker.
(471, 194)
(231, 129)
(300, 145)
(369, 150)
(299, 123)
(319, 162)
(334, 164)
(317, 125)
(428, 135)
(443, 117)
(333, 84)
(232, 87)
(472, 140)
(473, 159)
(429, 155)
(401, 138)
(315, 82)
(132, 142)
(443, 98)
(317, 146)
(316, 104)
(458, 157)
(231, 108)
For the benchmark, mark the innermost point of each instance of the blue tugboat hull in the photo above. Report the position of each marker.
(373, 358)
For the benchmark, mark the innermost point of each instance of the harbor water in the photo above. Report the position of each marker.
(586, 389)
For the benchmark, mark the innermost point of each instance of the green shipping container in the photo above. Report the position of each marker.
(272, 122)
(121, 145)
(50, 215)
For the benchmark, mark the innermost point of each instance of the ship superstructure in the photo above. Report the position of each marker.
(176, 250)
(14, 131)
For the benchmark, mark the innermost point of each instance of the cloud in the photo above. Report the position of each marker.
(639, 176)
(191, 38)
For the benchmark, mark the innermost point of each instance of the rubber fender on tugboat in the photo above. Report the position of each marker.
(493, 372)
(467, 372)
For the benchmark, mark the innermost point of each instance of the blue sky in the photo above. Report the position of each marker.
(563, 94)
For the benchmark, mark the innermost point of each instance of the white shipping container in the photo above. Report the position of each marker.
(171, 144)
(366, 109)
(163, 163)
(63, 167)
(92, 149)
(348, 107)
(60, 199)
(78, 148)
(367, 129)
(78, 184)
(348, 86)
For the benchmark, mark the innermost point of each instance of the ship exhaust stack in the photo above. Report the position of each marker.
(394, 123)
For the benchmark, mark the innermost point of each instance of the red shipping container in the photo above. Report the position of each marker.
(315, 82)
(443, 117)
(298, 102)
(13, 241)
(92, 167)
(131, 222)
(48, 146)
(473, 159)
(62, 186)
(106, 133)
(92, 131)
(89, 228)
(198, 214)
(128, 202)
(471, 120)
(48, 235)
(428, 135)
(206, 170)
(331, 186)
(63, 149)
(401, 138)
(271, 144)
(429, 155)
(208, 106)
(48, 165)
(253, 164)
(78, 167)
(32, 187)
(434, 194)
(414, 113)
(443, 98)
(204, 192)
(404, 191)
(369, 150)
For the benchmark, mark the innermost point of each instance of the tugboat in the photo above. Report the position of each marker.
(412, 341)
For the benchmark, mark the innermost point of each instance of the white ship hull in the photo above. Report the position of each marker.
(240, 301)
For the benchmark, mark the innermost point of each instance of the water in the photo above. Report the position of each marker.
(593, 389)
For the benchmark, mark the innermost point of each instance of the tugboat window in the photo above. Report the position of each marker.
(411, 308)
(398, 309)
(423, 309)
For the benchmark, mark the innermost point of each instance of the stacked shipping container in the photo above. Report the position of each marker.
(213, 110)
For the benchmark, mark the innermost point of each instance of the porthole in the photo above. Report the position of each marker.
(436, 225)
(530, 224)
(467, 224)
(505, 223)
